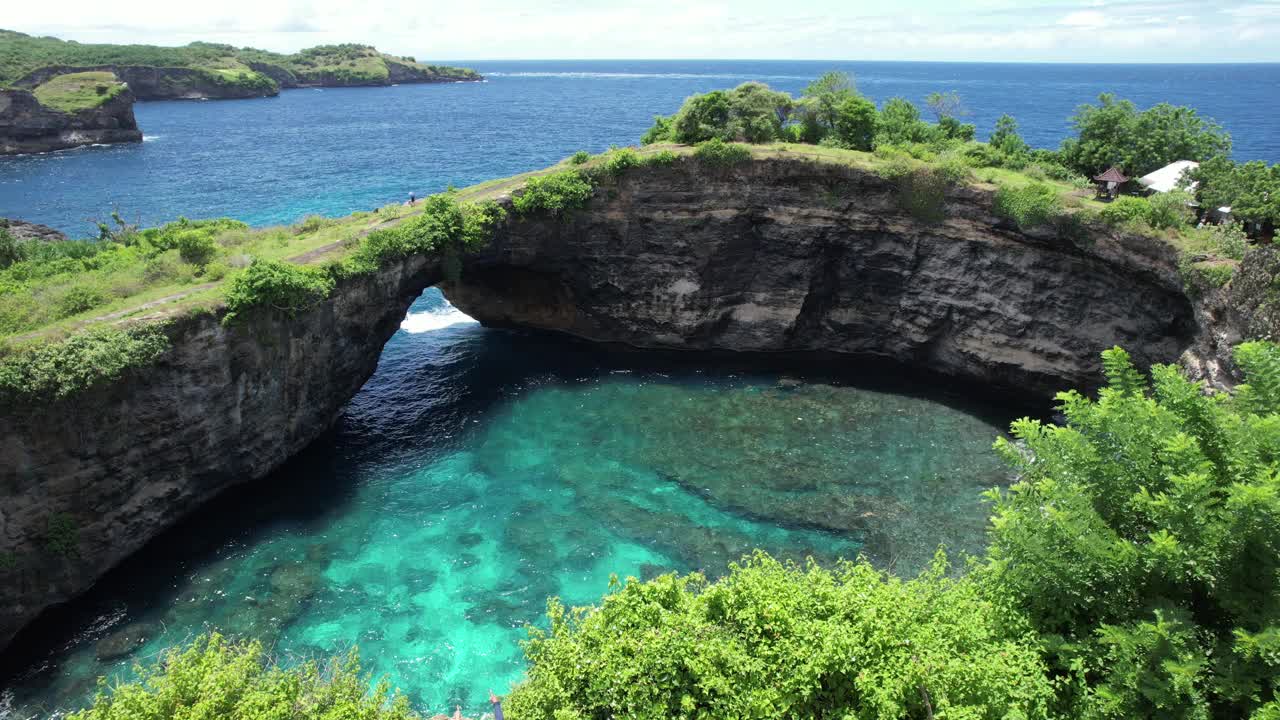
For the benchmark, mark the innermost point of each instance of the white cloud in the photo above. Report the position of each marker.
(1007, 30)
(1085, 19)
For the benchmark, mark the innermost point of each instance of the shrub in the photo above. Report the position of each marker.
(554, 194)
(276, 285)
(779, 641)
(922, 192)
(443, 225)
(81, 298)
(1170, 210)
(660, 132)
(197, 248)
(900, 124)
(662, 157)
(59, 369)
(1201, 277)
(1029, 206)
(718, 153)
(310, 224)
(61, 535)
(213, 677)
(1126, 210)
(617, 161)
(954, 167)
(1228, 240)
(12, 250)
(580, 157)
(1140, 540)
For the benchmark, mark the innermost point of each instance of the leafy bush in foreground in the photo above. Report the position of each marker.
(57, 370)
(556, 193)
(278, 285)
(1126, 210)
(771, 641)
(1029, 206)
(718, 153)
(1143, 541)
(214, 678)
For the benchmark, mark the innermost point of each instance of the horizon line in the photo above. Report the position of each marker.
(806, 60)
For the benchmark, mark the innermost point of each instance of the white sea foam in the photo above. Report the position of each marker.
(151, 138)
(438, 319)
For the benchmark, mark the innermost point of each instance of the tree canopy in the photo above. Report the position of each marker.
(1115, 132)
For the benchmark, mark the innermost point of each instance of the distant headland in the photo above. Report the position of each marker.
(36, 67)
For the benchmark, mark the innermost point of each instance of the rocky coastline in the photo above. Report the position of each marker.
(27, 126)
(772, 255)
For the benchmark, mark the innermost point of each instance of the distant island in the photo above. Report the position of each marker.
(108, 78)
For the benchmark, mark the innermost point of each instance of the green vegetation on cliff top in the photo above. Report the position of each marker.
(50, 291)
(79, 91)
(21, 54)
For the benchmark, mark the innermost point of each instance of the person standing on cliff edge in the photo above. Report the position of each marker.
(497, 706)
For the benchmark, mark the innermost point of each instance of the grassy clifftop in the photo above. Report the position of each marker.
(79, 91)
(21, 55)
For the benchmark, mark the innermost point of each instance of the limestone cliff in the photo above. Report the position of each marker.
(87, 481)
(166, 83)
(26, 126)
(769, 256)
(794, 256)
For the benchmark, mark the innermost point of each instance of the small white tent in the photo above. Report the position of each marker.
(1168, 177)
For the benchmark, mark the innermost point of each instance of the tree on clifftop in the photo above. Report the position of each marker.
(1115, 132)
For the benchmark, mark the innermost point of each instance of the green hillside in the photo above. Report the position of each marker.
(79, 91)
(21, 54)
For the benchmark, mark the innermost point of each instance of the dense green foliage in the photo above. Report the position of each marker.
(444, 225)
(1251, 189)
(718, 153)
(922, 189)
(276, 285)
(771, 640)
(555, 194)
(60, 369)
(79, 91)
(1029, 206)
(215, 678)
(1115, 132)
(1143, 541)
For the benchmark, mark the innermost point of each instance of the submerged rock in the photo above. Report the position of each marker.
(125, 640)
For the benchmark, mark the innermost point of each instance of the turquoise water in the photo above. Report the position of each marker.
(480, 472)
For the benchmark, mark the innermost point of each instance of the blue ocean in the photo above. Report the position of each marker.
(335, 150)
(481, 471)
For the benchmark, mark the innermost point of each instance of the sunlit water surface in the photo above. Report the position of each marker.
(480, 472)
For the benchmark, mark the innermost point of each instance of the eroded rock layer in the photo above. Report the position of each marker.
(792, 255)
(87, 481)
(26, 126)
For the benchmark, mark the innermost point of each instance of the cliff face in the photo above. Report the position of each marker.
(790, 255)
(165, 83)
(26, 126)
(774, 255)
(87, 481)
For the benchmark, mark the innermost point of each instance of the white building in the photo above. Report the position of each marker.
(1168, 177)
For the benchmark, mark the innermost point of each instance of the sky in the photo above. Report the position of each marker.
(953, 30)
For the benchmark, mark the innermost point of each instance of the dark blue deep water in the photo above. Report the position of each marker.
(480, 471)
(333, 151)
